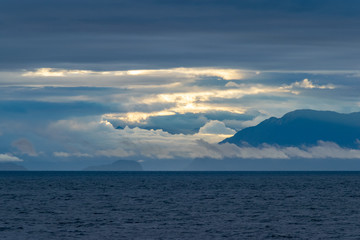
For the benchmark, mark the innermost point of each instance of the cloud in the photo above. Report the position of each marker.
(233, 151)
(224, 73)
(306, 83)
(25, 147)
(214, 131)
(143, 102)
(323, 150)
(51, 72)
(201, 101)
(131, 77)
(74, 122)
(216, 127)
(66, 154)
(179, 110)
(147, 64)
(332, 150)
(174, 123)
(101, 139)
(9, 158)
(149, 34)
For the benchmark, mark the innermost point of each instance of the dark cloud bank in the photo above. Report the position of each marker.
(260, 34)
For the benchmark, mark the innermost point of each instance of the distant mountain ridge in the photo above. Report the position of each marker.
(303, 127)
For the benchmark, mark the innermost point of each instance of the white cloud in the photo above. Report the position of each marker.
(306, 83)
(214, 131)
(9, 158)
(332, 150)
(216, 127)
(224, 73)
(170, 78)
(66, 154)
(53, 72)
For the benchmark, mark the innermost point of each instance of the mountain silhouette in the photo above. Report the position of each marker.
(303, 127)
(120, 165)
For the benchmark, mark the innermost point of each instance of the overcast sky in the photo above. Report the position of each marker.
(171, 76)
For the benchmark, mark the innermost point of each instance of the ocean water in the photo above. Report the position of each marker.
(179, 205)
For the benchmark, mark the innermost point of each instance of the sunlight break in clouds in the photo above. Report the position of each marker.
(195, 102)
(137, 117)
(224, 73)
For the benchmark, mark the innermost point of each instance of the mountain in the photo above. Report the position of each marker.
(303, 127)
(8, 166)
(120, 165)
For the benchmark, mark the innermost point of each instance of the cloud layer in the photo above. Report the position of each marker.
(174, 77)
(157, 144)
(157, 34)
(69, 115)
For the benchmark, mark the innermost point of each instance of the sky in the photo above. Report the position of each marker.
(162, 82)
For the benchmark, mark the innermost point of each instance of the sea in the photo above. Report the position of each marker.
(179, 205)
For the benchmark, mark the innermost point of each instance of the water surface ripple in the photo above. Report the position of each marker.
(179, 205)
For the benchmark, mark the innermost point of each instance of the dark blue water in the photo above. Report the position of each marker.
(179, 205)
